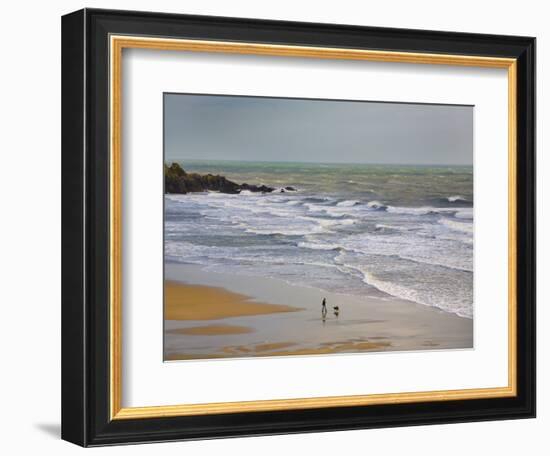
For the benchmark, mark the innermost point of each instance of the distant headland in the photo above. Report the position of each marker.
(177, 180)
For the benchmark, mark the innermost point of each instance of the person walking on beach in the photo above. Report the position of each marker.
(324, 307)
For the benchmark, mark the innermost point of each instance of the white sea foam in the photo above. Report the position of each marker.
(347, 203)
(326, 223)
(421, 247)
(283, 231)
(418, 292)
(315, 207)
(335, 211)
(423, 210)
(455, 198)
(318, 246)
(464, 227)
(376, 205)
(421, 297)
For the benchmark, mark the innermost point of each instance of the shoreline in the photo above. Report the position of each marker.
(259, 316)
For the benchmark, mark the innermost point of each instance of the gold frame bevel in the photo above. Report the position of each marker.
(116, 46)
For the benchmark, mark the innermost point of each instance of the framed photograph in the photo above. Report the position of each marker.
(277, 227)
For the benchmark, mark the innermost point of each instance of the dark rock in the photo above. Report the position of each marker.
(256, 188)
(176, 180)
(290, 189)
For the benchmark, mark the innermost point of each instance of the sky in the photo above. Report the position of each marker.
(219, 127)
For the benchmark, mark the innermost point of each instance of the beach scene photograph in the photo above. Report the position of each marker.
(302, 227)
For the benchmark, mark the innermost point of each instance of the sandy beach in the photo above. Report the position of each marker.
(212, 315)
(195, 302)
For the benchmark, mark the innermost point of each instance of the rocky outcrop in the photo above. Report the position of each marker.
(256, 188)
(177, 180)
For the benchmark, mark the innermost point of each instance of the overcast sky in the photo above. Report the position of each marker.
(219, 127)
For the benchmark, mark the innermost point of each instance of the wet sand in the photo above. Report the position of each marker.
(195, 302)
(276, 349)
(211, 330)
(217, 315)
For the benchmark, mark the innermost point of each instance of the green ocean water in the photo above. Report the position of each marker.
(405, 184)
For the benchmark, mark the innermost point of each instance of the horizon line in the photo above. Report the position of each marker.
(166, 160)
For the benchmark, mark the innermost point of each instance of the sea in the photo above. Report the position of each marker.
(387, 231)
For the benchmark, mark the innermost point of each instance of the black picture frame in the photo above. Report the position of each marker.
(85, 228)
